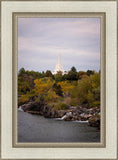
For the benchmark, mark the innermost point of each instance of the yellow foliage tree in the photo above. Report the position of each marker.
(51, 96)
(65, 86)
(43, 85)
(95, 80)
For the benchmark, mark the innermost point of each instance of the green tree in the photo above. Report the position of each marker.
(65, 77)
(57, 89)
(58, 77)
(90, 72)
(48, 73)
(21, 72)
(74, 69)
(72, 75)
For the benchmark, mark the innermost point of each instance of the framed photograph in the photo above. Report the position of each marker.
(59, 79)
(68, 95)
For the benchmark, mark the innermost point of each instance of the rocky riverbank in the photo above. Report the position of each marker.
(80, 113)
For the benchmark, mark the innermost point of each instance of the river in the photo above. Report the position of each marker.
(35, 128)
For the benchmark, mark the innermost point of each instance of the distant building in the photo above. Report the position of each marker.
(59, 67)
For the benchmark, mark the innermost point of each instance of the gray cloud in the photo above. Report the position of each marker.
(40, 40)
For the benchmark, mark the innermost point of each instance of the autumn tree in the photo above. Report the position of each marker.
(66, 86)
(87, 91)
(43, 85)
(80, 74)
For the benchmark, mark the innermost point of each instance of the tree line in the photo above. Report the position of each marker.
(73, 88)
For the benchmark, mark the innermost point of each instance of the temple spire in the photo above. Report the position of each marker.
(59, 67)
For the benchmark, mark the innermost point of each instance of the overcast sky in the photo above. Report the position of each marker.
(40, 40)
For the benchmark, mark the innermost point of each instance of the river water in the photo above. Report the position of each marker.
(35, 128)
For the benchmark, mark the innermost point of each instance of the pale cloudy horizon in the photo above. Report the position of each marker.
(40, 40)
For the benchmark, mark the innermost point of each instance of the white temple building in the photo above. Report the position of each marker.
(59, 67)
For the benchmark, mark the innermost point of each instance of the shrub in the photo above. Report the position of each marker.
(67, 100)
(95, 104)
(23, 99)
(64, 106)
(90, 98)
(74, 102)
(60, 106)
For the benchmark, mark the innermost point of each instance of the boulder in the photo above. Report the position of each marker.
(94, 121)
(68, 118)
